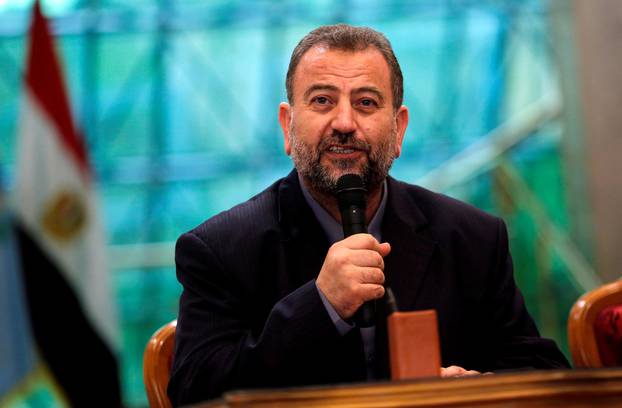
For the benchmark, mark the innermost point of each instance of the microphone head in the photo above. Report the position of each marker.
(351, 191)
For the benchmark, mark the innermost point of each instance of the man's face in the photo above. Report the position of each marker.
(342, 119)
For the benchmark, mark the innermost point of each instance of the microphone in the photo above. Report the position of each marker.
(352, 200)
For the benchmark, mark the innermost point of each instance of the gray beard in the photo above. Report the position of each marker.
(323, 180)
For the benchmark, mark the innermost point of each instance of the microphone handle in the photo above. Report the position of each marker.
(353, 221)
(365, 316)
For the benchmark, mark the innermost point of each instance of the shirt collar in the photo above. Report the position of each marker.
(332, 229)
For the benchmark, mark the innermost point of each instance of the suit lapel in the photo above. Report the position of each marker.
(404, 227)
(303, 241)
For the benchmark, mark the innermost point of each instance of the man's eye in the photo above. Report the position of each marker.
(368, 102)
(322, 100)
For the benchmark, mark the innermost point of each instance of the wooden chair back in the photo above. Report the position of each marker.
(582, 337)
(157, 361)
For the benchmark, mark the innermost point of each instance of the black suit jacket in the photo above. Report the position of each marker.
(250, 314)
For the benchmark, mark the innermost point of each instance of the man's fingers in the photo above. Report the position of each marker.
(451, 371)
(384, 249)
(366, 258)
(455, 371)
(370, 291)
(371, 275)
(367, 241)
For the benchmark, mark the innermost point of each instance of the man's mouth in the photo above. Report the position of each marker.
(341, 149)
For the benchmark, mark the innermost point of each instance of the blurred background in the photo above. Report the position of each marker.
(515, 108)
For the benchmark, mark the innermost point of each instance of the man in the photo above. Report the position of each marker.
(271, 286)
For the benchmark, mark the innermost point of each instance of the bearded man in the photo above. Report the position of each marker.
(270, 287)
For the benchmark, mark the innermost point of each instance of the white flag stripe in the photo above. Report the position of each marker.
(45, 171)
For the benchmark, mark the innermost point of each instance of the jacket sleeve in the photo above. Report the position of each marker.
(216, 347)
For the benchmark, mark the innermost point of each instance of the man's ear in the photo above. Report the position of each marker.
(285, 119)
(401, 123)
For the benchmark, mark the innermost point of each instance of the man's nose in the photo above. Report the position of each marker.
(344, 121)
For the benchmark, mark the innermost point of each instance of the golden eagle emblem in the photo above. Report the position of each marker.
(64, 216)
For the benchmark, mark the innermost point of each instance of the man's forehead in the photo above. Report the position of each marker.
(321, 60)
(322, 53)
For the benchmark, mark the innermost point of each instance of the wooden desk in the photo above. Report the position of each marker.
(564, 388)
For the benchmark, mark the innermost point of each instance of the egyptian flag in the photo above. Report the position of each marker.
(60, 236)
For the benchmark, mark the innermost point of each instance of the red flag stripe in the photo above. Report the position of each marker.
(43, 77)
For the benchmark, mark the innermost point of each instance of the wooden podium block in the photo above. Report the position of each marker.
(414, 346)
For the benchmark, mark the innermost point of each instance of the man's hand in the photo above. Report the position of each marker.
(353, 273)
(455, 371)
